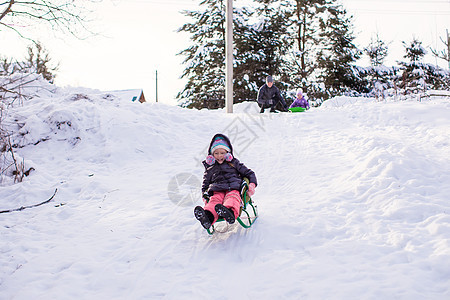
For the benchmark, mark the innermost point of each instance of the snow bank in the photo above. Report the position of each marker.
(353, 205)
(341, 101)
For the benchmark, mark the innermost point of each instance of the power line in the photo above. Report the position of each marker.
(166, 2)
(401, 12)
(402, 1)
(393, 7)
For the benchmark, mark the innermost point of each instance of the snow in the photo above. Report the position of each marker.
(353, 202)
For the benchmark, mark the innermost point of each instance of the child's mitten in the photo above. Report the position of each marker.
(210, 160)
(228, 156)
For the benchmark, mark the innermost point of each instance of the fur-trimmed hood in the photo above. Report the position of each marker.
(225, 138)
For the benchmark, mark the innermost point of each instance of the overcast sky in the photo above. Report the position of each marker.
(139, 38)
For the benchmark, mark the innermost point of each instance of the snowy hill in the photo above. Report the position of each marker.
(353, 199)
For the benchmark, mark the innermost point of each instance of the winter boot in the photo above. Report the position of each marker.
(203, 216)
(225, 212)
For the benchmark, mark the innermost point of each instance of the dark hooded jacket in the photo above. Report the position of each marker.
(227, 176)
(269, 95)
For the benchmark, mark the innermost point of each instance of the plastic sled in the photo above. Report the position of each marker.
(248, 213)
(297, 109)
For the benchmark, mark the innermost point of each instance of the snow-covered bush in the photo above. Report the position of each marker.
(14, 89)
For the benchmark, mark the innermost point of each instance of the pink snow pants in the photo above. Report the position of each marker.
(231, 199)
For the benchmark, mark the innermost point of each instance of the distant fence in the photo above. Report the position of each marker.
(434, 93)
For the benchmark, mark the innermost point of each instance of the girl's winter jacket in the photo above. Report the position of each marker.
(302, 102)
(227, 176)
(269, 95)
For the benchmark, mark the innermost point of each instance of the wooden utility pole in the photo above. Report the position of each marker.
(448, 49)
(156, 84)
(229, 56)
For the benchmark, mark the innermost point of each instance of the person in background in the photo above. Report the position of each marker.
(269, 97)
(300, 101)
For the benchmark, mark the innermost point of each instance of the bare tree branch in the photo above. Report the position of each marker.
(30, 206)
(64, 15)
(443, 54)
(7, 9)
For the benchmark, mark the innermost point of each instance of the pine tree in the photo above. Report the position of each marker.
(377, 51)
(205, 59)
(335, 61)
(306, 16)
(282, 39)
(414, 51)
(261, 48)
(417, 76)
(246, 70)
(412, 79)
(378, 75)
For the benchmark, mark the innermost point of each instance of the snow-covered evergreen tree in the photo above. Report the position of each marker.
(337, 71)
(205, 58)
(378, 76)
(261, 48)
(377, 51)
(305, 18)
(246, 61)
(418, 76)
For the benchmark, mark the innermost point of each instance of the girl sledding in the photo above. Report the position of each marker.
(227, 188)
(300, 104)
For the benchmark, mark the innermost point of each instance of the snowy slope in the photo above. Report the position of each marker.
(353, 200)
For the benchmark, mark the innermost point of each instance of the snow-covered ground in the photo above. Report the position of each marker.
(353, 200)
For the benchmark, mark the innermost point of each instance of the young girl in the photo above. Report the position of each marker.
(300, 101)
(222, 181)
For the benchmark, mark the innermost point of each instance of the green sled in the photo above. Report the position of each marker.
(297, 109)
(249, 212)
